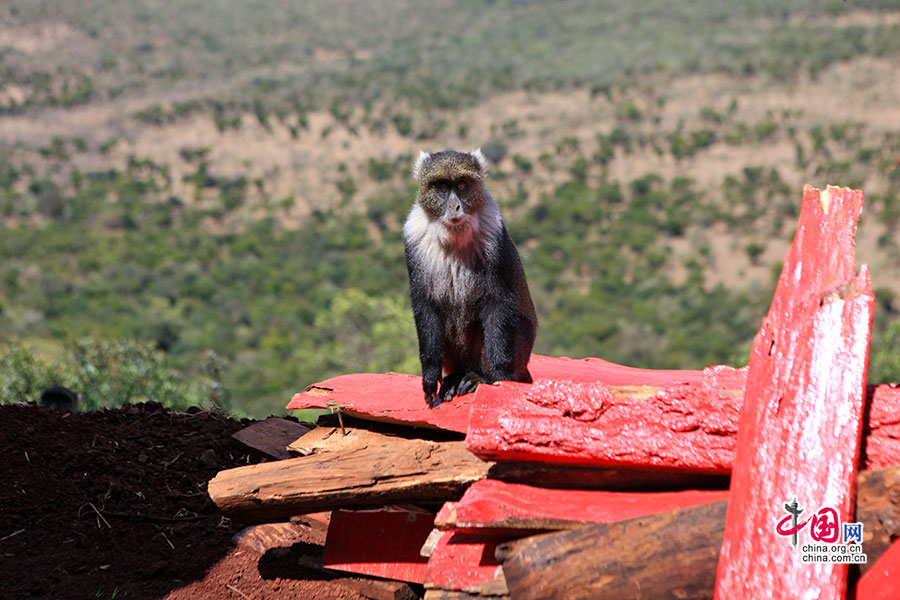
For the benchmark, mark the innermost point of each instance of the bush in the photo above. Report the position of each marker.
(104, 373)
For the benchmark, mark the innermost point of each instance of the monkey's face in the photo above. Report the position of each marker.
(450, 186)
(453, 201)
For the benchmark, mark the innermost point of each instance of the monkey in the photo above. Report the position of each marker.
(60, 397)
(474, 316)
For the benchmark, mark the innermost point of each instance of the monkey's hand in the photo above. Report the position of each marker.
(430, 386)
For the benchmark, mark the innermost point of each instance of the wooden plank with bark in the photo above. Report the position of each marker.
(496, 506)
(398, 398)
(381, 543)
(685, 427)
(658, 556)
(801, 422)
(271, 437)
(388, 471)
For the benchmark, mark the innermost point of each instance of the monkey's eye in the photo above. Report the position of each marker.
(461, 186)
(443, 188)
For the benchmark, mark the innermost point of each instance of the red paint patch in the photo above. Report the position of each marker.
(492, 504)
(463, 562)
(383, 543)
(880, 581)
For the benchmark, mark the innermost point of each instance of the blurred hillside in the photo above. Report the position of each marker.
(203, 201)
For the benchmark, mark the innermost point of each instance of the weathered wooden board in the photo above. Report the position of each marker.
(392, 470)
(382, 543)
(491, 505)
(466, 562)
(882, 581)
(689, 428)
(270, 437)
(667, 555)
(801, 422)
(878, 508)
(332, 439)
(398, 398)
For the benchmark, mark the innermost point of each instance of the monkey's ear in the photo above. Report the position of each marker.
(420, 161)
(478, 155)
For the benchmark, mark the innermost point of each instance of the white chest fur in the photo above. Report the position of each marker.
(450, 259)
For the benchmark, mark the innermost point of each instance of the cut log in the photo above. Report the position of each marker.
(382, 543)
(398, 398)
(801, 422)
(271, 437)
(880, 582)
(659, 556)
(465, 562)
(688, 428)
(491, 505)
(878, 508)
(389, 471)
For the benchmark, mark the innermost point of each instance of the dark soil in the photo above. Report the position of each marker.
(112, 504)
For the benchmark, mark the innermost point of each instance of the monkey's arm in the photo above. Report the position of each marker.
(429, 329)
(508, 318)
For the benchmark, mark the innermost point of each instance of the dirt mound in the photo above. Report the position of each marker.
(113, 504)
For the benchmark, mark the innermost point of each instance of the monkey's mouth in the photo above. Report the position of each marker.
(456, 223)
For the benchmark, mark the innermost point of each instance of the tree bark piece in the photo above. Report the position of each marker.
(270, 437)
(880, 582)
(685, 427)
(391, 470)
(495, 506)
(801, 422)
(382, 543)
(667, 555)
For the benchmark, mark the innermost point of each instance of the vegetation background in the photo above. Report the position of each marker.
(201, 202)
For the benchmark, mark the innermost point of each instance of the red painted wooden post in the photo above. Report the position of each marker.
(491, 505)
(383, 543)
(801, 422)
(882, 581)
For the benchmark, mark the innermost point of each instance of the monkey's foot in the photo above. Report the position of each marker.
(458, 384)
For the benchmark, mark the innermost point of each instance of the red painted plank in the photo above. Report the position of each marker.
(882, 435)
(464, 562)
(881, 581)
(801, 422)
(496, 505)
(383, 543)
(687, 427)
(398, 398)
